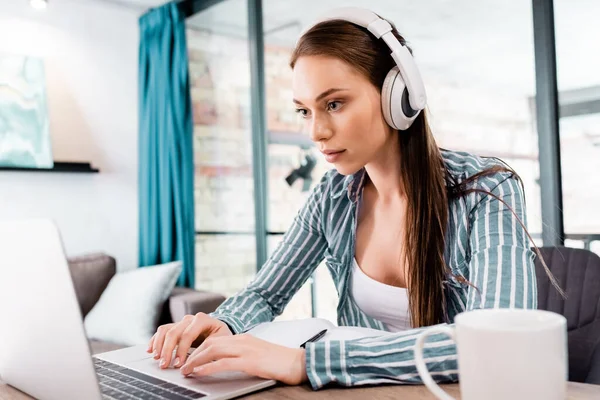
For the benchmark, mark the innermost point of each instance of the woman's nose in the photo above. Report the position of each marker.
(319, 130)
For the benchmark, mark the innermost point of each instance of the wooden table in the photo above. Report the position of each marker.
(576, 391)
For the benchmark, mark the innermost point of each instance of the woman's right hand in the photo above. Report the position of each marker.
(191, 331)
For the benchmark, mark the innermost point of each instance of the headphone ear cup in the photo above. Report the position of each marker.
(394, 101)
(386, 96)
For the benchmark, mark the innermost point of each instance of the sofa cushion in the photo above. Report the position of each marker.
(128, 310)
(90, 274)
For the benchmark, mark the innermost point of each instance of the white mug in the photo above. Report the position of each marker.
(504, 354)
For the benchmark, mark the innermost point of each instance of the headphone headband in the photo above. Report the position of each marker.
(382, 29)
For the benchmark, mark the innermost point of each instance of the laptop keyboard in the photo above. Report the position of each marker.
(118, 382)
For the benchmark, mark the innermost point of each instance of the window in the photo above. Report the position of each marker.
(224, 191)
(578, 63)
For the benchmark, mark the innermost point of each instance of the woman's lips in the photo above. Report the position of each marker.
(333, 156)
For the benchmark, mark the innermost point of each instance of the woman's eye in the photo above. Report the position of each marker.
(334, 105)
(303, 113)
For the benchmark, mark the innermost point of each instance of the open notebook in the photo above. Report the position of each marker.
(294, 333)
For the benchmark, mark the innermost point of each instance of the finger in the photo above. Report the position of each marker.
(172, 339)
(208, 342)
(159, 339)
(214, 340)
(222, 365)
(195, 329)
(210, 353)
(151, 344)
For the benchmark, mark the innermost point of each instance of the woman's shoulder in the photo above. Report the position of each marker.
(462, 166)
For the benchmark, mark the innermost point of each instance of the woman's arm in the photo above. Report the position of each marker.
(501, 263)
(286, 270)
(501, 268)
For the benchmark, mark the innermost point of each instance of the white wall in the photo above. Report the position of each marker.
(90, 50)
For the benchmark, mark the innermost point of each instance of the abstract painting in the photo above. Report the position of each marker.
(24, 124)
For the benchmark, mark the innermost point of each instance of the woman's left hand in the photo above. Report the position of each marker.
(248, 354)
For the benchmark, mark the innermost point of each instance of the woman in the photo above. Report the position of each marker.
(412, 235)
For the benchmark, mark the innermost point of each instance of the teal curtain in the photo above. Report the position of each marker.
(166, 165)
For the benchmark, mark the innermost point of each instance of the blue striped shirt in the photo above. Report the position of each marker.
(486, 245)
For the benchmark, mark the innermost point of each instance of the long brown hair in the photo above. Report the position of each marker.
(425, 178)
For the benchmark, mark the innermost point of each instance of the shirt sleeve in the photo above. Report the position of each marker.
(291, 264)
(501, 266)
(502, 273)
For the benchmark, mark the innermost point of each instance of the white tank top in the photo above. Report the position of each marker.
(386, 303)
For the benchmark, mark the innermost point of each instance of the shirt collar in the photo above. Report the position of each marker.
(351, 186)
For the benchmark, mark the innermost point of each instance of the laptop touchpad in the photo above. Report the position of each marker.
(217, 383)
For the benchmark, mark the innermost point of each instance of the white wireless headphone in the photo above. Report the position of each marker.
(403, 93)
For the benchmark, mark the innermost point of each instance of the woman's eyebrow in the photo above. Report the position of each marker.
(322, 95)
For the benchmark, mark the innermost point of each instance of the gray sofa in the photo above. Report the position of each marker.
(91, 274)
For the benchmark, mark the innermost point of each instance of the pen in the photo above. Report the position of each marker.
(314, 338)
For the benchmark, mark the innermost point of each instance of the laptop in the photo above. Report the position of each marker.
(44, 351)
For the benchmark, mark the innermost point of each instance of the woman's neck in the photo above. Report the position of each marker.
(385, 181)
